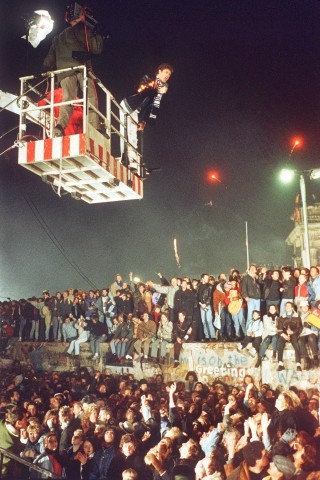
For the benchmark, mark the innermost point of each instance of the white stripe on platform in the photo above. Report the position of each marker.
(56, 147)
(39, 151)
(74, 145)
(23, 154)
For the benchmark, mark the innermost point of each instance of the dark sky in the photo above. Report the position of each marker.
(246, 81)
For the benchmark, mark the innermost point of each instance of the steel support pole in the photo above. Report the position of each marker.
(305, 220)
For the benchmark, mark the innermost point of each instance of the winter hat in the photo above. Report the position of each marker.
(285, 466)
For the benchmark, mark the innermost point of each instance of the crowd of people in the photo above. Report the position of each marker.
(137, 319)
(98, 426)
(83, 426)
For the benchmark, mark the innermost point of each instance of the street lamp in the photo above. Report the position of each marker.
(286, 176)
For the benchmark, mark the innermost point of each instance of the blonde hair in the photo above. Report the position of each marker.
(34, 427)
(292, 400)
(173, 433)
(133, 475)
(92, 407)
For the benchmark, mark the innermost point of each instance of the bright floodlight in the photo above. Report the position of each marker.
(39, 25)
(286, 175)
(315, 174)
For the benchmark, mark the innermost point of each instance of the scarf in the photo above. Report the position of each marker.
(57, 468)
(156, 101)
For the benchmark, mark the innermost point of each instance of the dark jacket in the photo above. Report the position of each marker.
(281, 421)
(288, 288)
(127, 330)
(180, 329)
(205, 291)
(27, 311)
(98, 329)
(271, 289)
(101, 462)
(250, 287)
(306, 421)
(294, 323)
(69, 40)
(142, 101)
(55, 307)
(184, 301)
(124, 306)
(66, 308)
(67, 433)
(120, 463)
(72, 466)
(185, 467)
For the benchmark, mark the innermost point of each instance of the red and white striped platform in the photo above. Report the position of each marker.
(82, 165)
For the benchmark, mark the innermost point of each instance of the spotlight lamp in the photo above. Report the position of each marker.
(38, 25)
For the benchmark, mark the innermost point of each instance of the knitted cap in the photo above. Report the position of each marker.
(285, 466)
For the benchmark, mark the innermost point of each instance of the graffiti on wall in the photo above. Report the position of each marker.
(214, 361)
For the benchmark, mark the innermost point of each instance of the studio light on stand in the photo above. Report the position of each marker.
(38, 26)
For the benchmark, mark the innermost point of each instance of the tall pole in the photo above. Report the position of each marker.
(247, 245)
(305, 220)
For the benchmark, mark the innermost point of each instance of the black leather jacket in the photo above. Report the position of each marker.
(205, 293)
(250, 287)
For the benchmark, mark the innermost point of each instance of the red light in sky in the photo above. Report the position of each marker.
(214, 176)
(296, 143)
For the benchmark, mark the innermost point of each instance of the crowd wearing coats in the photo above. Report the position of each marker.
(140, 320)
(83, 426)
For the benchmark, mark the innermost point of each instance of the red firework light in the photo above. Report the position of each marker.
(214, 176)
(295, 143)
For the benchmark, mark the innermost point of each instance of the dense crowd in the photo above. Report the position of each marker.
(107, 427)
(259, 308)
(83, 426)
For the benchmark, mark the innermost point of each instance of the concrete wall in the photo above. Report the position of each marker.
(211, 361)
(222, 361)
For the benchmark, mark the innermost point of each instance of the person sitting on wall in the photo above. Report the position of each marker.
(291, 327)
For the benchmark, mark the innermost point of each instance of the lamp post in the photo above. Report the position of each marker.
(305, 219)
(286, 176)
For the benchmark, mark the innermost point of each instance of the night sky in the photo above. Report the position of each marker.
(246, 82)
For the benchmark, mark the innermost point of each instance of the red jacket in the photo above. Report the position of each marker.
(301, 290)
